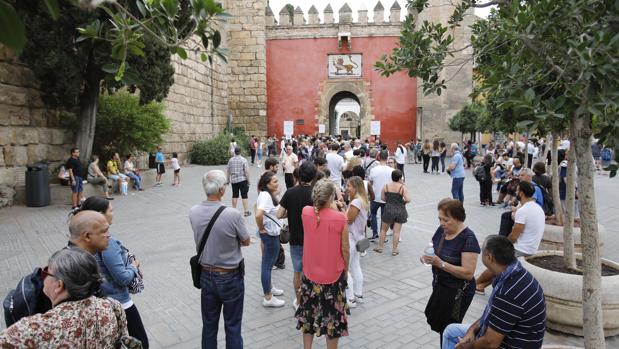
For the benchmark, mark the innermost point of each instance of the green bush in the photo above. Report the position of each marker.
(211, 152)
(216, 151)
(125, 126)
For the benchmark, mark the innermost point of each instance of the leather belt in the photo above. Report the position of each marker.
(218, 270)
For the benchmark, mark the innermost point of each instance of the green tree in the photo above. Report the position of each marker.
(290, 9)
(552, 63)
(76, 51)
(125, 126)
(466, 120)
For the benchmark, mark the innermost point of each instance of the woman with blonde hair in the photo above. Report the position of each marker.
(325, 264)
(356, 216)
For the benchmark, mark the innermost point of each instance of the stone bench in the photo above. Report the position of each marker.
(61, 194)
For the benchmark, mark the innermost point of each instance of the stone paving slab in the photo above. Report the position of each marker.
(154, 225)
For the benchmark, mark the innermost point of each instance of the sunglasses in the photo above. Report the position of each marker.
(45, 273)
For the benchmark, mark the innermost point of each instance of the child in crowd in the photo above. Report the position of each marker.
(177, 170)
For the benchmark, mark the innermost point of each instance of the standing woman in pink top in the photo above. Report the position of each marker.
(325, 264)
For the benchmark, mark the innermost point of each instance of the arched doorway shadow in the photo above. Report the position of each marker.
(331, 88)
(346, 101)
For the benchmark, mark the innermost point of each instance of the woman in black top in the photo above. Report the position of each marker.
(453, 267)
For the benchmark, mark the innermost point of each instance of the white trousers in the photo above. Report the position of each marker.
(355, 275)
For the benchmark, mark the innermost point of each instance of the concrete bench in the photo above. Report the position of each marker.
(61, 194)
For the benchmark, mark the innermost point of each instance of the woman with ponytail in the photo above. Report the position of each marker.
(78, 319)
(119, 269)
(323, 307)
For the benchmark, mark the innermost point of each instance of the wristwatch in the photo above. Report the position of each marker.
(442, 265)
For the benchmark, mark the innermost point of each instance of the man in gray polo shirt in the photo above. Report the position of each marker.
(221, 280)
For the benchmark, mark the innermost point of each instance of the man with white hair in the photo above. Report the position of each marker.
(221, 259)
(456, 171)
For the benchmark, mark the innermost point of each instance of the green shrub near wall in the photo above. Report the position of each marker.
(216, 151)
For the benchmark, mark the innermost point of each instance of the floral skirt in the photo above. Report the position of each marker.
(323, 308)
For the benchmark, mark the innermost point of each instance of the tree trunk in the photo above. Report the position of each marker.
(592, 269)
(554, 166)
(568, 227)
(546, 149)
(526, 152)
(89, 101)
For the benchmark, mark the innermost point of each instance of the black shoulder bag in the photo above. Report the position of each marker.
(194, 262)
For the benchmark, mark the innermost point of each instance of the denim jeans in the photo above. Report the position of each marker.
(269, 256)
(373, 211)
(457, 188)
(452, 333)
(296, 255)
(227, 290)
(137, 180)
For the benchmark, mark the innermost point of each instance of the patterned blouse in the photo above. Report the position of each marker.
(89, 323)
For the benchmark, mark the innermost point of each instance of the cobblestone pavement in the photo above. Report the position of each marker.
(154, 225)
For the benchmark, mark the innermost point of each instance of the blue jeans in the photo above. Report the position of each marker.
(451, 334)
(137, 180)
(227, 290)
(457, 188)
(373, 211)
(296, 254)
(269, 256)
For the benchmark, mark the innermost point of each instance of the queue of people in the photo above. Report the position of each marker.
(333, 193)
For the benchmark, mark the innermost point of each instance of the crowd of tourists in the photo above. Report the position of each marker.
(326, 210)
(117, 173)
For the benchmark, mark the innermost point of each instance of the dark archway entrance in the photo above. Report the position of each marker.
(345, 107)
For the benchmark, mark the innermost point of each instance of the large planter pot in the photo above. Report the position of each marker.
(553, 238)
(563, 294)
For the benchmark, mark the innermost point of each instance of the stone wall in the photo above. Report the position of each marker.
(196, 104)
(29, 132)
(247, 95)
(437, 110)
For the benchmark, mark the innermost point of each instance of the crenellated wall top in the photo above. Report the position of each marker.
(345, 16)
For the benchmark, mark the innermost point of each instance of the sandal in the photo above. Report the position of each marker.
(247, 214)
(378, 250)
(395, 253)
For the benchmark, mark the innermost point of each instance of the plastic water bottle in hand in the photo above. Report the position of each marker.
(429, 251)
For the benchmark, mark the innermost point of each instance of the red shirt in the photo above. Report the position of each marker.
(322, 246)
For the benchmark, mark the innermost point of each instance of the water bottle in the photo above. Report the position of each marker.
(429, 251)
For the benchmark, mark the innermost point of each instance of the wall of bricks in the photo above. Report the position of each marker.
(29, 132)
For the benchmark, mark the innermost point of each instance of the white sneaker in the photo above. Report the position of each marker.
(276, 291)
(363, 253)
(352, 304)
(389, 232)
(359, 299)
(273, 302)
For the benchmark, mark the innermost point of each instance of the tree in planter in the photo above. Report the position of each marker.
(554, 59)
(465, 121)
(125, 126)
(76, 52)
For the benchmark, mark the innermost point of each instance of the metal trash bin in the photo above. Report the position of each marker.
(37, 185)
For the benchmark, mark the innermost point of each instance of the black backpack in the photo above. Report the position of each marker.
(26, 299)
(548, 207)
(480, 173)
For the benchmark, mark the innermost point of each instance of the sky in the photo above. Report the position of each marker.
(277, 5)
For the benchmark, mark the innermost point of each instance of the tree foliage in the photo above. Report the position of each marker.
(125, 126)
(466, 120)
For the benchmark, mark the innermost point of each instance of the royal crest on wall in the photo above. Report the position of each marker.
(345, 66)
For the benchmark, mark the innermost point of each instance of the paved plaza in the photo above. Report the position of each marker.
(154, 225)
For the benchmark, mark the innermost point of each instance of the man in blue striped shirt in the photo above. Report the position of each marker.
(515, 315)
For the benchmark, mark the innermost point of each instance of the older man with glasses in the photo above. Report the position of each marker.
(289, 161)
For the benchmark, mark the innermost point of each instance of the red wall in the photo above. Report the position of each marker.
(296, 67)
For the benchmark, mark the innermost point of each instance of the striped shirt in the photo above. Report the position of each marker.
(519, 312)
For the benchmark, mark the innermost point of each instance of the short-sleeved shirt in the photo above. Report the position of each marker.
(451, 253)
(400, 154)
(112, 168)
(380, 176)
(357, 227)
(293, 201)
(75, 165)
(368, 165)
(92, 171)
(159, 157)
(289, 161)
(322, 247)
(335, 163)
(223, 247)
(237, 166)
(519, 312)
(531, 215)
(264, 202)
(458, 162)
